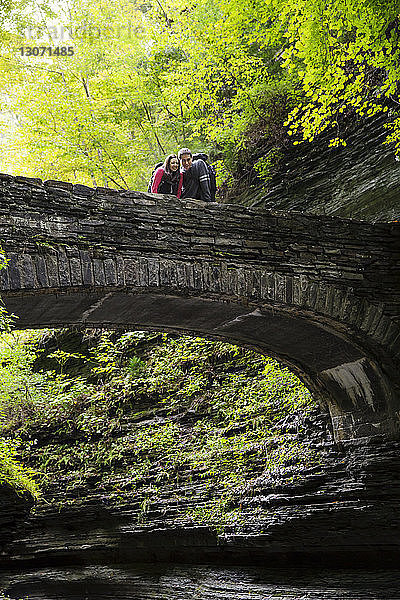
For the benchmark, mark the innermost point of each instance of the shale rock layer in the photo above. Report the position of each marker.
(360, 180)
(144, 582)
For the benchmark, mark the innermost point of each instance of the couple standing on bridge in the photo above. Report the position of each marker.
(186, 176)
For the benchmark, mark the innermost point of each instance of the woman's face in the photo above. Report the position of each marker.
(174, 164)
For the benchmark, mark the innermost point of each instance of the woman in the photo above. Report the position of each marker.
(168, 179)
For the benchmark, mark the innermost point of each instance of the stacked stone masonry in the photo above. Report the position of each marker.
(321, 294)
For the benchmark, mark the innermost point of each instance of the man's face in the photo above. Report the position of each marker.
(186, 161)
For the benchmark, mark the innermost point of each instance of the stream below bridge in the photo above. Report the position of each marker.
(172, 582)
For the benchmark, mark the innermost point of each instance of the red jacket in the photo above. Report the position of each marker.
(167, 187)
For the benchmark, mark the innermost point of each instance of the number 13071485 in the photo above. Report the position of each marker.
(46, 51)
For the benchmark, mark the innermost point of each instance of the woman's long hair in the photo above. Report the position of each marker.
(167, 165)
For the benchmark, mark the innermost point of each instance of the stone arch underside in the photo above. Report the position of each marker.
(339, 372)
(319, 294)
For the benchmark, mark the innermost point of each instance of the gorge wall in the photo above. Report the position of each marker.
(342, 514)
(359, 181)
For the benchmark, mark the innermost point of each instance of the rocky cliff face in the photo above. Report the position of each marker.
(345, 506)
(102, 535)
(345, 514)
(14, 509)
(360, 180)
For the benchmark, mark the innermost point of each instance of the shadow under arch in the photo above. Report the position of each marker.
(342, 374)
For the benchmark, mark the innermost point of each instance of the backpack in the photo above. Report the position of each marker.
(211, 173)
(160, 164)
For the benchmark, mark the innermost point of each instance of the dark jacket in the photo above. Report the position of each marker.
(196, 182)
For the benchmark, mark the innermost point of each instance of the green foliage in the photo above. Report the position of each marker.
(146, 79)
(62, 357)
(121, 102)
(136, 366)
(6, 320)
(12, 472)
(344, 55)
(199, 411)
(266, 165)
(28, 397)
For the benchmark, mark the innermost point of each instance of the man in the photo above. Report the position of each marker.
(196, 180)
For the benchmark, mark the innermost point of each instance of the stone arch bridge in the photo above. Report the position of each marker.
(320, 294)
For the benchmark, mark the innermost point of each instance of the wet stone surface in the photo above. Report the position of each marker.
(148, 582)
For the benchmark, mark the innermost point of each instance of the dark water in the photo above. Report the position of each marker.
(170, 582)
